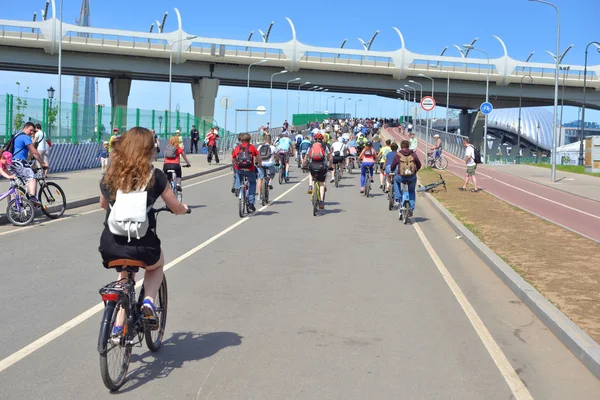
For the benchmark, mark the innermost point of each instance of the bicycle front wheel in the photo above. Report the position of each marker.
(54, 202)
(154, 338)
(441, 163)
(114, 350)
(20, 211)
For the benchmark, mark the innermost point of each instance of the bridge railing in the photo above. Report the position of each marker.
(451, 142)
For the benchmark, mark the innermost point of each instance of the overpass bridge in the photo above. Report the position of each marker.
(123, 55)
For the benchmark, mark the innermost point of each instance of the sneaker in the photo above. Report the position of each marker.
(232, 190)
(362, 190)
(118, 330)
(321, 205)
(35, 200)
(258, 199)
(149, 314)
(309, 191)
(371, 180)
(178, 188)
(332, 180)
(270, 187)
(236, 192)
(251, 208)
(380, 186)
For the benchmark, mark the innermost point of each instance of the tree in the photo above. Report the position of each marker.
(19, 118)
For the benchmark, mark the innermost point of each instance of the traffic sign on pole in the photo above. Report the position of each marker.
(486, 107)
(427, 103)
(261, 110)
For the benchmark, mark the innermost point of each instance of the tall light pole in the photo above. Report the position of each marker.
(562, 100)
(335, 105)
(421, 96)
(403, 93)
(60, 36)
(327, 103)
(315, 98)
(429, 121)
(554, 119)
(414, 93)
(349, 98)
(171, 74)
(519, 127)
(355, 104)
(321, 99)
(248, 90)
(308, 97)
(271, 98)
(50, 97)
(287, 95)
(447, 100)
(597, 44)
(298, 94)
(487, 96)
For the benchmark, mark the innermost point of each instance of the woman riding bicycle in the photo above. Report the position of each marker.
(172, 153)
(368, 157)
(131, 169)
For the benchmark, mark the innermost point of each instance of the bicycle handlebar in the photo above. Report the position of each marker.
(165, 208)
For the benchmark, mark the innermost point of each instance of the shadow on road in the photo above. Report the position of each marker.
(332, 211)
(281, 202)
(258, 214)
(175, 351)
(419, 219)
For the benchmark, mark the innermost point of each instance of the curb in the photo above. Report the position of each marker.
(571, 335)
(95, 199)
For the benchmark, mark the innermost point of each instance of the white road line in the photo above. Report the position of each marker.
(61, 330)
(45, 223)
(515, 384)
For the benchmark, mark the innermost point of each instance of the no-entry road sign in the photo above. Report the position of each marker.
(427, 103)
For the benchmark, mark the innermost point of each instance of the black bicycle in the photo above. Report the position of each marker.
(121, 306)
(51, 196)
(337, 175)
(431, 186)
(265, 186)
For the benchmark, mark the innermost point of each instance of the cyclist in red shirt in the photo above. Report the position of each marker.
(244, 158)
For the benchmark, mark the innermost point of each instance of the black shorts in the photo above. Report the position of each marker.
(318, 170)
(113, 247)
(174, 167)
(338, 159)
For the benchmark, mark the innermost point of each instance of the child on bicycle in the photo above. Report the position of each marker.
(5, 161)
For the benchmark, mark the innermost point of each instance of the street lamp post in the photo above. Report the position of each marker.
(447, 100)
(171, 73)
(287, 96)
(308, 98)
(429, 120)
(519, 127)
(327, 103)
(50, 97)
(421, 96)
(321, 99)
(248, 90)
(60, 35)
(562, 100)
(487, 96)
(597, 44)
(349, 98)
(335, 105)
(315, 98)
(298, 94)
(160, 119)
(554, 119)
(355, 104)
(271, 97)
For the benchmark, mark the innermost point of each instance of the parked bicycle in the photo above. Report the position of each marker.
(120, 301)
(172, 177)
(51, 196)
(440, 162)
(19, 211)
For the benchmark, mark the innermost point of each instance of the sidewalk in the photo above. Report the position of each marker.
(571, 211)
(82, 187)
(577, 184)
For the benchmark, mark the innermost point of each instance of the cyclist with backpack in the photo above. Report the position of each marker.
(129, 190)
(316, 160)
(20, 146)
(408, 163)
(339, 153)
(266, 152)
(472, 158)
(244, 156)
(172, 153)
(368, 157)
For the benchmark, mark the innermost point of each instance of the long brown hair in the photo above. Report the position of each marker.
(131, 161)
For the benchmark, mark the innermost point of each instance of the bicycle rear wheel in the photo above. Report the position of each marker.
(114, 352)
(337, 176)
(281, 174)
(405, 212)
(20, 213)
(265, 190)
(391, 198)
(54, 202)
(154, 338)
(315, 198)
(242, 201)
(179, 195)
(367, 185)
(441, 163)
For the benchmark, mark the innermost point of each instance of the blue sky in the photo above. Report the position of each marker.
(427, 28)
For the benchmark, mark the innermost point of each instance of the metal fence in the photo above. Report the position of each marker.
(92, 124)
(451, 142)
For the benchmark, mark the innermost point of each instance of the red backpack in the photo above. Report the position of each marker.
(317, 152)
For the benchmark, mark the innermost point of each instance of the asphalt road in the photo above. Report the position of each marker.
(346, 305)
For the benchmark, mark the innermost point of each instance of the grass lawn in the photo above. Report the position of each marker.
(577, 169)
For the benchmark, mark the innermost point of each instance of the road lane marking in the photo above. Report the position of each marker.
(67, 326)
(69, 217)
(515, 384)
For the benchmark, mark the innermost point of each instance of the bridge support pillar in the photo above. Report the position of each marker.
(204, 92)
(119, 94)
(470, 126)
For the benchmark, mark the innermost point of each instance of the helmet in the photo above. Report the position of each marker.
(369, 144)
(318, 136)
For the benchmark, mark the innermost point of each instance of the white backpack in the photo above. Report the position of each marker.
(129, 214)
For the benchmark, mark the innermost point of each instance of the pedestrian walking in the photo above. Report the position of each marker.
(103, 155)
(212, 142)
(471, 161)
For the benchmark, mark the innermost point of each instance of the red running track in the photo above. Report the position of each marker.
(578, 214)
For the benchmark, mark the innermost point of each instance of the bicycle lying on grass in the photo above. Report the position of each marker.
(431, 186)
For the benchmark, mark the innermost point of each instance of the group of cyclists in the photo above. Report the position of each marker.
(343, 143)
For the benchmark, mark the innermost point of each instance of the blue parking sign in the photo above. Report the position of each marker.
(486, 107)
